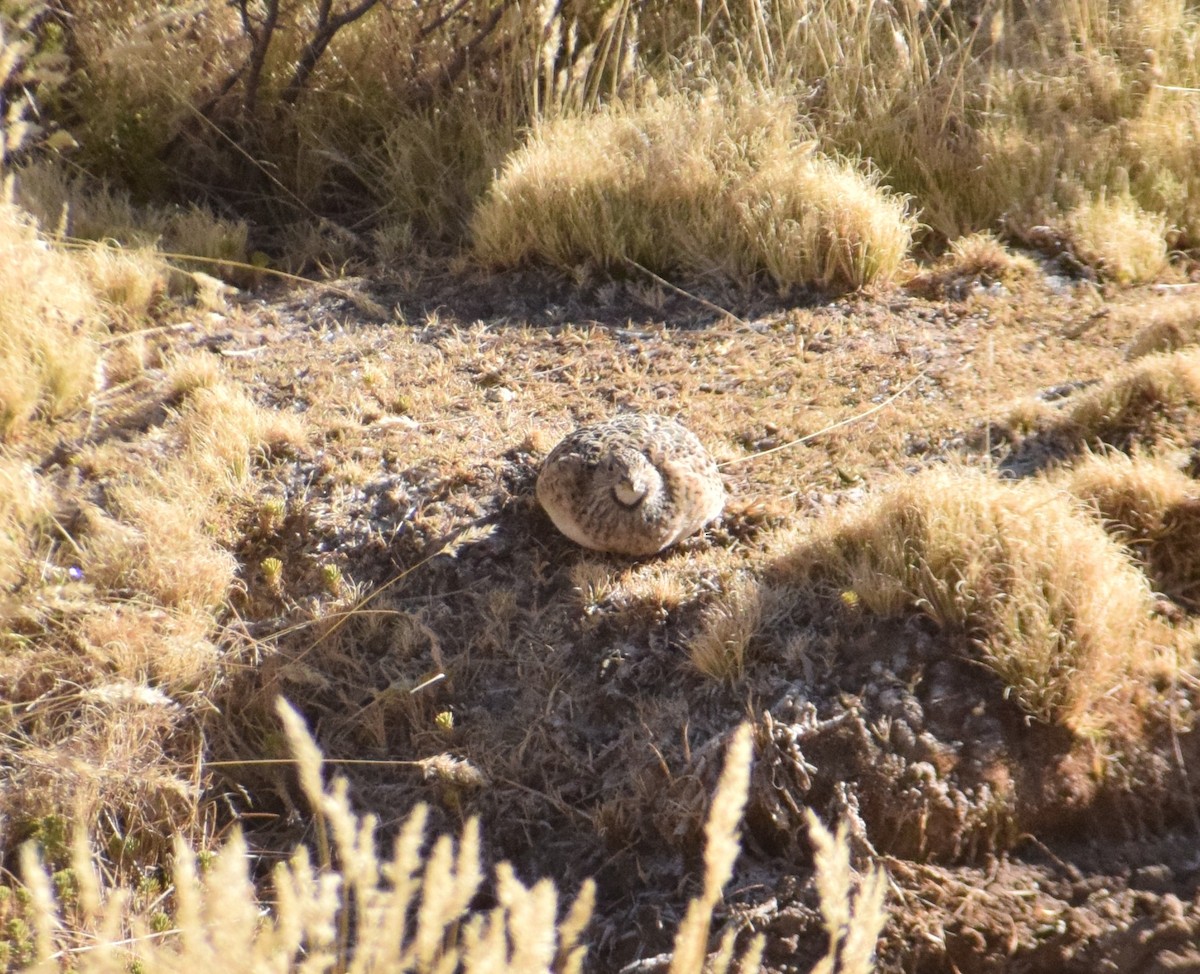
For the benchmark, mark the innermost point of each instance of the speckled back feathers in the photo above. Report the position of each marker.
(633, 485)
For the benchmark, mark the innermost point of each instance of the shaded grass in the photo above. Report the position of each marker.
(720, 648)
(1151, 402)
(1000, 116)
(68, 205)
(1154, 509)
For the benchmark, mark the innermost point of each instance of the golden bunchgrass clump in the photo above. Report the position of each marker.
(1166, 325)
(1153, 508)
(352, 916)
(727, 628)
(1122, 241)
(693, 185)
(1144, 401)
(26, 514)
(1047, 600)
(48, 314)
(154, 544)
(984, 257)
(975, 260)
(128, 282)
(115, 571)
(162, 533)
(1150, 405)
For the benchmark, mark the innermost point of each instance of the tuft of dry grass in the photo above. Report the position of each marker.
(350, 916)
(978, 260)
(1150, 399)
(727, 628)
(130, 283)
(1165, 326)
(48, 314)
(222, 431)
(1154, 509)
(721, 848)
(694, 185)
(983, 257)
(1150, 405)
(68, 206)
(1114, 235)
(986, 115)
(26, 517)
(1048, 601)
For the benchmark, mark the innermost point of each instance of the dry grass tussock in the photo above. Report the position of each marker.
(985, 258)
(1152, 399)
(1168, 383)
(723, 645)
(26, 517)
(59, 304)
(1046, 599)
(1153, 508)
(978, 260)
(48, 315)
(66, 206)
(352, 910)
(1118, 238)
(111, 624)
(164, 534)
(1164, 327)
(693, 186)
(1018, 113)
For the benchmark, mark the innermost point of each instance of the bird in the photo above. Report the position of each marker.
(632, 485)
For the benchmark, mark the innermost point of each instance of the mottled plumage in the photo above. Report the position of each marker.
(633, 485)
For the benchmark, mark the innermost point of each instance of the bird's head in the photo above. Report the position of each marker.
(629, 476)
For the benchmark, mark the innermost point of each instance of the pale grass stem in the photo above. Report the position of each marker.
(721, 848)
(853, 920)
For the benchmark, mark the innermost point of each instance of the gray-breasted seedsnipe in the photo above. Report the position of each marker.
(633, 485)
